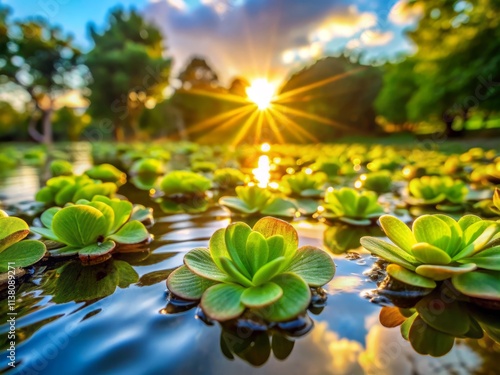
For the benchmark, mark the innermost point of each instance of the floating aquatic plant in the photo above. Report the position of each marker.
(15, 251)
(257, 268)
(443, 192)
(147, 166)
(91, 229)
(61, 168)
(185, 191)
(351, 206)
(439, 248)
(184, 183)
(253, 200)
(228, 178)
(304, 184)
(379, 182)
(107, 173)
(68, 189)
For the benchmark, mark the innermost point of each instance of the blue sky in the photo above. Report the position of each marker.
(251, 38)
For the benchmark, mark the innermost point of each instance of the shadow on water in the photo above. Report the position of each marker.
(113, 317)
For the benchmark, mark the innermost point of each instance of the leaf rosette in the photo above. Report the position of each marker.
(92, 229)
(257, 268)
(439, 248)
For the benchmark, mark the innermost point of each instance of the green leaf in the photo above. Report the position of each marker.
(429, 254)
(185, 284)
(479, 284)
(65, 195)
(223, 302)
(64, 251)
(295, 299)
(269, 270)
(439, 273)
(276, 245)
(398, 232)
(479, 240)
(236, 204)
(261, 295)
(427, 340)
(236, 237)
(488, 259)
(409, 277)
(217, 246)
(48, 215)
(432, 230)
(406, 326)
(12, 230)
(200, 262)
(279, 207)
(133, 232)
(22, 254)
(122, 210)
(89, 191)
(467, 220)
(456, 235)
(388, 252)
(107, 211)
(313, 265)
(270, 226)
(257, 251)
(97, 249)
(45, 233)
(79, 225)
(230, 268)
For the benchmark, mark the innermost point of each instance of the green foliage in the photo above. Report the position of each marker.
(351, 206)
(379, 182)
(253, 200)
(91, 229)
(304, 184)
(13, 251)
(147, 166)
(107, 173)
(442, 191)
(438, 248)
(68, 189)
(184, 182)
(128, 70)
(61, 168)
(228, 178)
(38, 58)
(259, 269)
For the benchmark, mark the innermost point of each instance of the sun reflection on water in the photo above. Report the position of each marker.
(263, 171)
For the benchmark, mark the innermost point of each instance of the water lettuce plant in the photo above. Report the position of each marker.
(257, 268)
(107, 173)
(439, 248)
(68, 189)
(379, 182)
(443, 192)
(13, 249)
(61, 168)
(147, 166)
(184, 183)
(91, 229)
(351, 206)
(253, 200)
(303, 184)
(228, 178)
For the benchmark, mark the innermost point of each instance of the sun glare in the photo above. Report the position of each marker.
(261, 92)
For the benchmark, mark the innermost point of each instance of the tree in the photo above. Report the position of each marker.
(335, 89)
(129, 71)
(399, 85)
(456, 63)
(199, 75)
(40, 60)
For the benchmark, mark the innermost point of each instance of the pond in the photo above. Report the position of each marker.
(124, 323)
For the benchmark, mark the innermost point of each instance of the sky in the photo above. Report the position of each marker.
(249, 38)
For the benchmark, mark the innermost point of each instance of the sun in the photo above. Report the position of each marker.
(261, 92)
